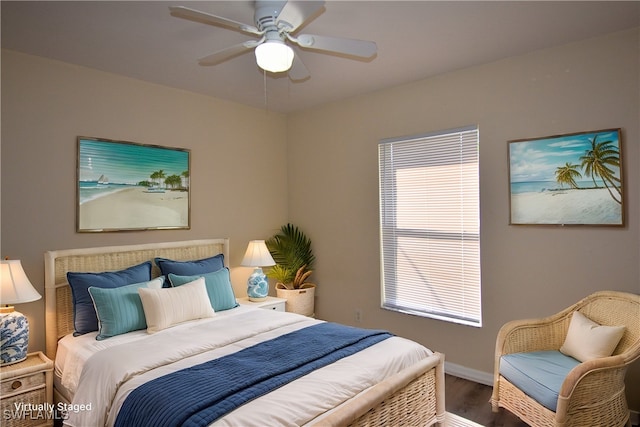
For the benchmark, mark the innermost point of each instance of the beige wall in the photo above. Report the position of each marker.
(329, 186)
(237, 189)
(526, 271)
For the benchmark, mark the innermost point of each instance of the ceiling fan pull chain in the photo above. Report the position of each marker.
(264, 78)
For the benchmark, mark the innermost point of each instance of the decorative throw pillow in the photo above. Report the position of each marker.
(189, 268)
(84, 314)
(120, 309)
(218, 285)
(588, 340)
(167, 307)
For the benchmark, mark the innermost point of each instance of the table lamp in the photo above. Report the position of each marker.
(257, 256)
(15, 288)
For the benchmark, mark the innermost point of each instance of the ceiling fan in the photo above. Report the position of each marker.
(275, 25)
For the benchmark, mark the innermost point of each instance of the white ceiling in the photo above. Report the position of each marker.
(416, 39)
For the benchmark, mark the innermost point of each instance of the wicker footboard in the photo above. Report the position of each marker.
(412, 397)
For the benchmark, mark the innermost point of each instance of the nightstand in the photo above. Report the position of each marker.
(26, 392)
(271, 303)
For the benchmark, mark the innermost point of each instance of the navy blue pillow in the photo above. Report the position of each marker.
(189, 268)
(84, 313)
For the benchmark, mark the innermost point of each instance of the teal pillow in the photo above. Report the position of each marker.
(120, 309)
(218, 287)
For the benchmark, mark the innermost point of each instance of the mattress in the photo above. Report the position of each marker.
(103, 373)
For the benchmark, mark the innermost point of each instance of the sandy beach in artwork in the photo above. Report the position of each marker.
(135, 208)
(570, 206)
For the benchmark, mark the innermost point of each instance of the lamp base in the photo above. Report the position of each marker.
(14, 337)
(7, 309)
(257, 286)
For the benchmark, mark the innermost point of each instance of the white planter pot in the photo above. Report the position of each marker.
(299, 301)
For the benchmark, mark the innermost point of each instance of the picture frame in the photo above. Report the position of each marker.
(123, 186)
(569, 179)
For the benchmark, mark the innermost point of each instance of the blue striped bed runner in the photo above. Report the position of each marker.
(201, 394)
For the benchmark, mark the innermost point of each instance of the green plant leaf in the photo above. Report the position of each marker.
(290, 249)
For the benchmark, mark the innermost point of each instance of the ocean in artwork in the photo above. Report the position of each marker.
(540, 186)
(91, 190)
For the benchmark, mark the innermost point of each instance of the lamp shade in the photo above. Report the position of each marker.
(274, 56)
(15, 287)
(257, 255)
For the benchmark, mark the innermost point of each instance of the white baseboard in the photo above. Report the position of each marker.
(474, 375)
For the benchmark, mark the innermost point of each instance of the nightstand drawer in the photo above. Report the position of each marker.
(15, 414)
(22, 384)
(276, 306)
(269, 303)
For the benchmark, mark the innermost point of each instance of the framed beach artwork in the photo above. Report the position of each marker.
(572, 179)
(129, 186)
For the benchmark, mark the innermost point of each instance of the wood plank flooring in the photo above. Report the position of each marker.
(471, 401)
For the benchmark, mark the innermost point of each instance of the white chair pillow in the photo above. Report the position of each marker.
(588, 340)
(166, 307)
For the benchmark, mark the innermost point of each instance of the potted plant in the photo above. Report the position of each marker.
(291, 250)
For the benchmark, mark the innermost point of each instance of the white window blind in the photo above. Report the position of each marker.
(429, 225)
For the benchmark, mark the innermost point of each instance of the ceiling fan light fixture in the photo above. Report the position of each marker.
(274, 56)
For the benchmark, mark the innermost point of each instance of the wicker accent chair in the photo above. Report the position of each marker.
(593, 393)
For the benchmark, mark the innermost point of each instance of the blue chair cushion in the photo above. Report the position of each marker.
(538, 374)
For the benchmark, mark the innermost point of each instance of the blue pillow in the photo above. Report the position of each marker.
(84, 314)
(120, 309)
(218, 286)
(189, 268)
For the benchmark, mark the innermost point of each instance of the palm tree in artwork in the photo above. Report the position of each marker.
(599, 161)
(173, 181)
(185, 175)
(158, 176)
(568, 174)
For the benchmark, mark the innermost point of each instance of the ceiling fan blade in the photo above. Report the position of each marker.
(295, 13)
(207, 18)
(353, 47)
(228, 53)
(298, 71)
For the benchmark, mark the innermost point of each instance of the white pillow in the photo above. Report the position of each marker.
(166, 307)
(587, 340)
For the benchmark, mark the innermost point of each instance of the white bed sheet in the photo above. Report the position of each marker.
(96, 373)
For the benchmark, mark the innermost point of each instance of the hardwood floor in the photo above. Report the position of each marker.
(471, 401)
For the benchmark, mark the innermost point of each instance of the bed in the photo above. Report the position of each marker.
(390, 382)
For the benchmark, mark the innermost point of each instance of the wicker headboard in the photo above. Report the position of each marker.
(58, 299)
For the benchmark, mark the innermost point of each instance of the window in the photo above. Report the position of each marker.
(430, 225)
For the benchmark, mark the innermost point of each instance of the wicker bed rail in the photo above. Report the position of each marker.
(412, 397)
